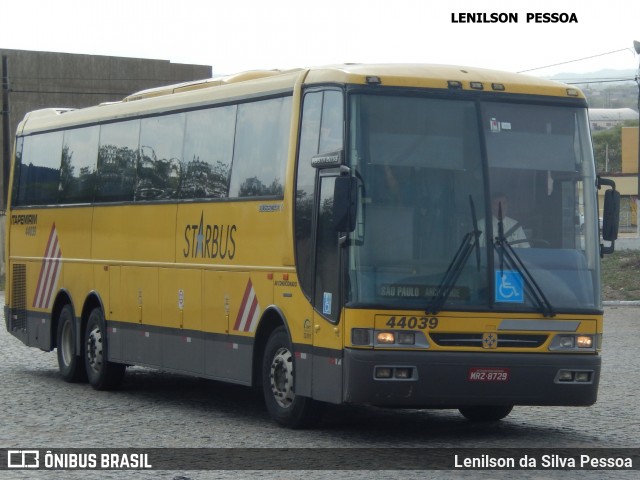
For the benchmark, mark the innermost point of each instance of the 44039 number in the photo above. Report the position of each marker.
(412, 323)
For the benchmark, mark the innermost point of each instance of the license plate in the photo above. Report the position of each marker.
(482, 374)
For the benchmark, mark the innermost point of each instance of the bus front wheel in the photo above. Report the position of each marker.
(284, 406)
(70, 365)
(486, 413)
(102, 374)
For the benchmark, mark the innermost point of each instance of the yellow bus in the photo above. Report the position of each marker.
(322, 234)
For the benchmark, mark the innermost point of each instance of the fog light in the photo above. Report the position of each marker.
(583, 376)
(406, 338)
(584, 341)
(360, 336)
(383, 372)
(566, 342)
(565, 376)
(386, 337)
(403, 372)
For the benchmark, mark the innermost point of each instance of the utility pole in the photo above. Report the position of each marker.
(6, 134)
(636, 46)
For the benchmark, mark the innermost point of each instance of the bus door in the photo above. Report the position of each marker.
(317, 250)
(327, 299)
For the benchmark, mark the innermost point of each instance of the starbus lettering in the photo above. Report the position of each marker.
(204, 240)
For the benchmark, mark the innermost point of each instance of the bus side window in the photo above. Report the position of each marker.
(208, 151)
(78, 166)
(117, 161)
(261, 148)
(159, 161)
(40, 170)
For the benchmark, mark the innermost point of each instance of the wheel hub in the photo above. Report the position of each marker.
(282, 377)
(94, 349)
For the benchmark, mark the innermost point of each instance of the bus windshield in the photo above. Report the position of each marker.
(447, 186)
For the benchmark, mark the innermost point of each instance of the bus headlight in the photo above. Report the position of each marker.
(401, 339)
(567, 341)
(361, 336)
(584, 341)
(386, 337)
(406, 338)
(573, 343)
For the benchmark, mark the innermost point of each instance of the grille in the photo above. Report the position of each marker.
(18, 321)
(505, 340)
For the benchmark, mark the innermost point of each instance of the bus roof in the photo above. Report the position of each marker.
(255, 82)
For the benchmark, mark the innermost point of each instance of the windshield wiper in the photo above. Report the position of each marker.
(470, 241)
(506, 251)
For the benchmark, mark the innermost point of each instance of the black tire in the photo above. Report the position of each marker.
(102, 374)
(70, 363)
(486, 413)
(284, 406)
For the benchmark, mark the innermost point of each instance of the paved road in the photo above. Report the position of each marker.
(158, 409)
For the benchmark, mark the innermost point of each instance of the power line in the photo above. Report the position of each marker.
(601, 80)
(573, 61)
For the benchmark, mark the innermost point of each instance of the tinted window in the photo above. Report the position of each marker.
(261, 148)
(159, 162)
(78, 165)
(40, 169)
(321, 132)
(15, 194)
(117, 161)
(208, 152)
(331, 130)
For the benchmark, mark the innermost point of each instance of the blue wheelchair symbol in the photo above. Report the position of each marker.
(509, 287)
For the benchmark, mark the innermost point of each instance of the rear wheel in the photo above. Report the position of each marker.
(70, 365)
(102, 374)
(284, 406)
(486, 413)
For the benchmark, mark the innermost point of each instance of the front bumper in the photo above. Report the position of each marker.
(442, 379)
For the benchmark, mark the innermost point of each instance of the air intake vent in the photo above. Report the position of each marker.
(18, 321)
(505, 340)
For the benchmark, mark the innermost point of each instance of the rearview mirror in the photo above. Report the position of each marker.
(345, 205)
(611, 215)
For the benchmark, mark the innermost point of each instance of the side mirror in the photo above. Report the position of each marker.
(345, 205)
(610, 215)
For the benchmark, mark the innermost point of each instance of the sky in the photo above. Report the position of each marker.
(238, 35)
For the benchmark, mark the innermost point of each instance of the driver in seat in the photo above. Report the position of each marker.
(513, 231)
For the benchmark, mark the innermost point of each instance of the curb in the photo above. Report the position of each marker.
(621, 303)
